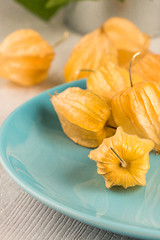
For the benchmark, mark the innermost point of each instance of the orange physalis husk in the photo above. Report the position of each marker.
(109, 80)
(148, 67)
(92, 51)
(83, 116)
(25, 57)
(137, 111)
(127, 38)
(123, 159)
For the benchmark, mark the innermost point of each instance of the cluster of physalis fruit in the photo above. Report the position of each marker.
(119, 112)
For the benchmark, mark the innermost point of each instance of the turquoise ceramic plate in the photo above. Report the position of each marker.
(45, 163)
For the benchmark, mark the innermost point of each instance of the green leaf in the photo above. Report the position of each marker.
(55, 3)
(46, 8)
(39, 8)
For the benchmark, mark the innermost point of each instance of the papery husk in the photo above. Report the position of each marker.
(127, 38)
(92, 51)
(148, 67)
(109, 80)
(25, 57)
(137, 111)
(135, 155)
(83, 116)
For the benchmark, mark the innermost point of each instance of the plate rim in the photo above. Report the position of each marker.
(109, 225)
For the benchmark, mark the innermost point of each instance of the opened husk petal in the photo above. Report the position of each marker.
(133, 151)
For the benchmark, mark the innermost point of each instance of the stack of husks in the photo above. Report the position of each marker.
(119, 112)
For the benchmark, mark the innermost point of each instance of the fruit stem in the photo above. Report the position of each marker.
(65, 36)
(130, 66)
(123, 163)
(155, 35)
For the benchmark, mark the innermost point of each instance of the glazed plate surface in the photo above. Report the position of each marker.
(45, 163)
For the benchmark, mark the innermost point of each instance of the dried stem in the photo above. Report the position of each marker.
(65, 36)
(155, 35)
(130, 66)
(123, 163)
